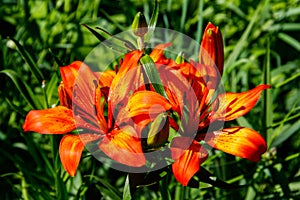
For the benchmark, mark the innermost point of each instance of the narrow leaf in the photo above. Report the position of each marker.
(290, 40)
(286, 134)
(23, 88)
(205, 176)
(29, 60)
(153, 75)
(95, 33)
(153, 21)
(126, 192)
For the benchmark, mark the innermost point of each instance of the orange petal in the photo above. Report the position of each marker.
(69, 74)
(238, 141)
(147, 102)
(64, 98)
(84, 100)
(212, 50)
(56, 120)
(187, 161)
(124, 147)
(157, 54)
(106, 78)
(70, 150)
(128, 79)
(230, 106)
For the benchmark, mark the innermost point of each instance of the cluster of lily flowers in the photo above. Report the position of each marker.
(123, 113)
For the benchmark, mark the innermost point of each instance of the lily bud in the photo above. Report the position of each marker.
(179, 58)
(139, 25)
(212, 50)
(159, 131)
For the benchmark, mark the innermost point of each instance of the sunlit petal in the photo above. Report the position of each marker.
(230, 106)
(56, 120)
(157, 54)
(69, 74)
(238, 141)
(187, 162)
(70, 150)
(147, 102)
(128, 79)
(124, 146)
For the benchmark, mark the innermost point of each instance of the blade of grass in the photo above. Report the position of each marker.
(152, 22)
(290, 40)
(51, 87)
(244, 38)
(29, 60)
(283, 136)
(183, 14)
(23, 88)
(199, 23)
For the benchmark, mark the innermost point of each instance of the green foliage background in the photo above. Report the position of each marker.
(262, 45)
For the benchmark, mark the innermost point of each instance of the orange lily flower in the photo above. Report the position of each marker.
(80, 92)
(135, 109)
(59, 120)
(238, 141)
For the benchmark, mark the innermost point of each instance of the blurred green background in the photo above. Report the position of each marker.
(262, 45)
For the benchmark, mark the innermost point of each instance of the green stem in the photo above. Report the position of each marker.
(267, 103)
(54, 155)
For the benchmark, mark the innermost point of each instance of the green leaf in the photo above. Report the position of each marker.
(126, 192)
(153, 75)
(23, 88)
(114, 193)
(96, 34)
(152, 23)
(29, 60)
(51, 87)
(244, 38)
(205, 176)
(113, 42)
(146, 179)
(284, 135)
(290, 40)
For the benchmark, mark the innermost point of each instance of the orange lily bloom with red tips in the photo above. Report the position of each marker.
(78, 96)
(117, 109)
(210, 112)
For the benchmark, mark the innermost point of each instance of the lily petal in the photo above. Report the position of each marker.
(157, 54)
(69, 74)
(238, 141)
(84, 99)
(58, 120)
(123, 146)
(147, 102)
(230, 106)
(70, 150)
(212, 50)
(128, 79)
(189, 160)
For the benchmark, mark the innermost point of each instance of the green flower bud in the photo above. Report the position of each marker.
(139, 25)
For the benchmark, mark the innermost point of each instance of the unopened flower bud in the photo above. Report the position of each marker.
(159, 131)
(212, 52)
(139, 25)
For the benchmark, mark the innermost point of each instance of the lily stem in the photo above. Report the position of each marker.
(54, 156)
